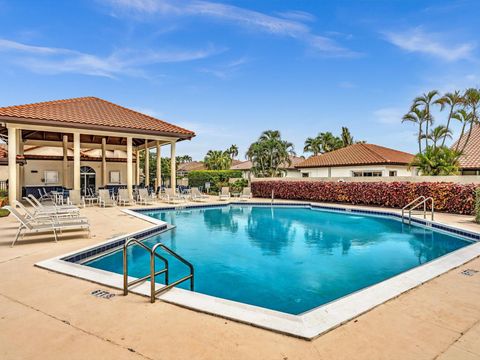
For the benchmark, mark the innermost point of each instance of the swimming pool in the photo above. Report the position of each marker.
(287, 259)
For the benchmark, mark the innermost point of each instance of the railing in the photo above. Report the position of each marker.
(154, 255)
(421, 200)
(3, 185)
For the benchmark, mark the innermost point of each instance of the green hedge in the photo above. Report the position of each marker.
(216, 178)
(477, 206)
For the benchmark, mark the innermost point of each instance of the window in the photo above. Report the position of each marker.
(50, 177)
(392, 173)
(305, 174)
(366, 173)
(114, 177)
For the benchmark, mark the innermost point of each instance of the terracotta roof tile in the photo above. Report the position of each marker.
(358, 154)
(191, 166)
(92, 111)
(470, 159)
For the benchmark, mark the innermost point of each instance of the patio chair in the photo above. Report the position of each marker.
(43, 195)
(104, 198)
(196, 195)
(75, 198)
(41, 214)
(38, 207)
(125, 197)
(46, 225)
(90, 196)
(171, 196)
(224, 193)
(246, 194)
(144, 198)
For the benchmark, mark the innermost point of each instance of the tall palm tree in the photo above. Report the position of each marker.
(313, 145)
(416, 116)
(330, 142)
(452, 100)
(472, 102)
(217, 160)
(233, 151)
(437, 133)
(347, 138)
(464, 117)
(424, 102)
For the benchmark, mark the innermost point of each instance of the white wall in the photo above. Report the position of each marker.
(346, 171)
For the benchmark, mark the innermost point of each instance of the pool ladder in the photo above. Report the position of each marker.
(154, 255)
(421, 200)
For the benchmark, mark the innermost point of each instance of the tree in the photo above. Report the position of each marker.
(183, 159)
(437, 161)
(424, 102)
(416, 116)
(464, 117)
(269, 154)
(453, 100)
(313, 145)
(438, 133)
(330, 142)
(217, 160)
(472, 103)
(347, 138)
(233, 151)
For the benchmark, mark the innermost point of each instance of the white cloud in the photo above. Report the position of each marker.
(227, 70)
(389, 115)
(290, 25)
(50, 60)
(417, 40)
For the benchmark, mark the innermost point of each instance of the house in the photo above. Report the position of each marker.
(470, 159)
(81, 143)
(288, 169)
(184, 168)
(358, 160)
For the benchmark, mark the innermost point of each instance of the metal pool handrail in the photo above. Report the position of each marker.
(153, 291)
(126, 284)
(421, 200)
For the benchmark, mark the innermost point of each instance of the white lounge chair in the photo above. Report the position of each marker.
(246, 194)
(125, 198)
(90, 196)
(45, 225)
(75, 198)
(196, 195)
(43, 213)
(144, 198)
(171, 196)
(58, 209)
(224, 193)
(44, 196)
(104, 198)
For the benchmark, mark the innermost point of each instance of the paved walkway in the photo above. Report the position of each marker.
(45, 315)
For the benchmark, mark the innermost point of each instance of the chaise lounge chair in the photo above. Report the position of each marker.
(246, 194)
(224, 193)
(171, 196)
(104, 198)
(75, 198)
(144, 198)
(46, 224)
(38, 207)
(196, 195)
(125, 197)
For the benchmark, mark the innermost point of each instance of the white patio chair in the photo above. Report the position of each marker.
(104, 198)
(125, 197)
(144, 198)
(59, 208)
(46, 225)
(196, 195)
(41, 214)
(246, 194)
(171, 196)
(75, 198)
(90, 196)
(224, 193)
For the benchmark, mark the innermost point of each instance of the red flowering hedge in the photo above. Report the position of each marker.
(449, 197)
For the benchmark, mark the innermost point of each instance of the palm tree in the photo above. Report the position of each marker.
(313, 145)
(472, 102)
(183, 159)
(416, 116)
(330, 142)
(464, 117)
(347, 138)
(217, 160)
(425, 101)
(437, 161)
(233, 151)
(437, 133)
(453, 100)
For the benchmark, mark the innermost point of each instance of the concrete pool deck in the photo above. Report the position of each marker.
(48, 315)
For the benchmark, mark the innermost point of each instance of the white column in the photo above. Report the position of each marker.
(159, 164)
(20, 169)
(12, 165)
(137, 165)
(129, 165)
(65, 161)
(76, 161)
(147, 164)
(173, 165)
(104, 162)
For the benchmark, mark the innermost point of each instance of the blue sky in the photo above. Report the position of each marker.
(231, 69)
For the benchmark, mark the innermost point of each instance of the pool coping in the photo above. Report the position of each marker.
(307, 325)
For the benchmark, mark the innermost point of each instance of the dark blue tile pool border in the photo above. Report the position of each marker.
(75, 258)
(153, 231)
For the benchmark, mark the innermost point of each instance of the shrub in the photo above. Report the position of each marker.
(215, 177)
(449, 197)
(238, 185)
(4, 212)
(477, 206)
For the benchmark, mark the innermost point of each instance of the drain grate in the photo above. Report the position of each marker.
(102, 294)
(469, 272)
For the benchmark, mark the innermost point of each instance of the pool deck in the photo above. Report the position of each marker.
(45, 315)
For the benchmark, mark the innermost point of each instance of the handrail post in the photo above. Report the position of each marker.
(125, 269)
(152, 278)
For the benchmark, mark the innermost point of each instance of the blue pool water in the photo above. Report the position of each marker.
(285, 259)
